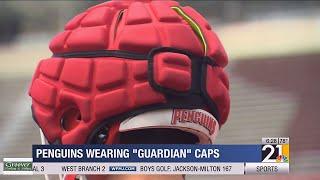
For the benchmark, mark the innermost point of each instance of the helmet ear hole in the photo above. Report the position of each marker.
(70, 118)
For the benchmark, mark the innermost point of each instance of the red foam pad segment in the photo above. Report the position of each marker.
(43, 92)
(138, 14)
(182, 36)
(89, 38)
(52, 67)
(98, 17)
(140, 39)
(75, 22)
(77, 72)
(111, 103)
(172, 70)
(57, 44)
(164, 13)
(218, 90)
(110, 73)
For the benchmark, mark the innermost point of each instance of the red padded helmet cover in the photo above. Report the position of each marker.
(89, 90)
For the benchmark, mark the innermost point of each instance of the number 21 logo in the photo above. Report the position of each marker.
(272, 153)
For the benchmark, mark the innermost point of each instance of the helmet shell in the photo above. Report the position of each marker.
(84, 91)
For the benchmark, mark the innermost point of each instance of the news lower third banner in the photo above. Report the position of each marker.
(267, 158)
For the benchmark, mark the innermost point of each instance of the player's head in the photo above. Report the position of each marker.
(132, 72)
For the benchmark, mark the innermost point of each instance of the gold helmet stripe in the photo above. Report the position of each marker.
(195, 27)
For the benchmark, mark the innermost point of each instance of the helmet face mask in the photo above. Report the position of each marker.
(89, 88)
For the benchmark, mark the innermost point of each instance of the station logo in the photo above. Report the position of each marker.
(275, 153)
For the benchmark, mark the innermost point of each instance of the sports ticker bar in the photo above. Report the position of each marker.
(270, 157)
(152, 168)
